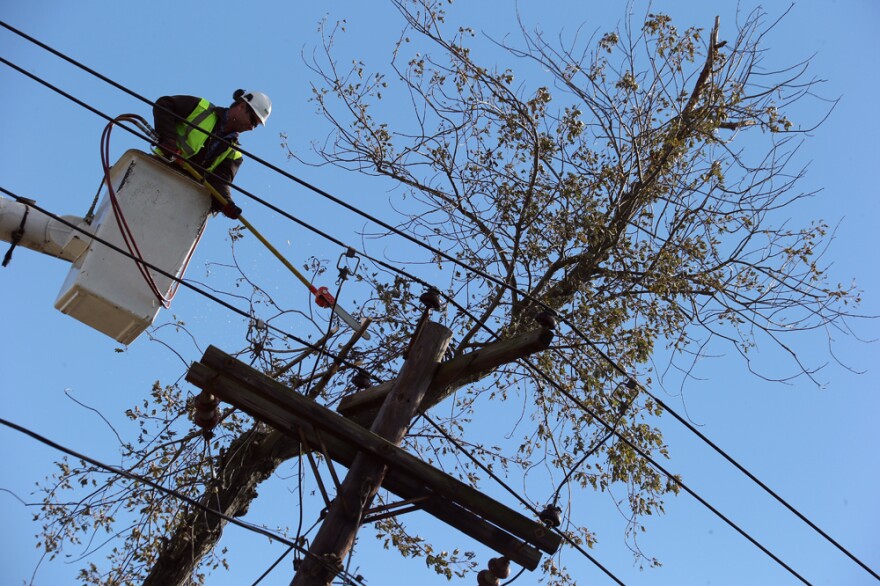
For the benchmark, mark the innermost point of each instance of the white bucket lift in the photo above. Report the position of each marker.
(166, 213)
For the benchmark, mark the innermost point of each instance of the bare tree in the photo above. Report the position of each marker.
(638, 182)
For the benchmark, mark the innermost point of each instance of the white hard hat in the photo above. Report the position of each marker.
(260, 104)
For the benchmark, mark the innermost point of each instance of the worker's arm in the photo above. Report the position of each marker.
(220, 180)
(168, 112)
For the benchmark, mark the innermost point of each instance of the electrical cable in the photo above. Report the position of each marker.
(516, 495)
(556, 385)
(766, 488)
(320, 355)
(612, 430)
(192, 502)
(250, 195)
(377, 261)
(322, 297)
(518, 574)
(122, 222)
(148, 138)
(286, 174)
(509, 287)
(454, 261)
(644, 455)
(593, 448)
(228, 306)
(274, 564)
(260, 160)
(642, 388)
(299, 492)
(668, 474)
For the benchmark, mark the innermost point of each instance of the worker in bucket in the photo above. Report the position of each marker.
(208, 142)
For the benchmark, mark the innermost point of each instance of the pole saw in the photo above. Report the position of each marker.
(323, 297)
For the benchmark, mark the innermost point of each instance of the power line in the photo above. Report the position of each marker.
(545, 376)
(668, 474)
(265, 203)
(237, 188)
(766, 488)
(455, 261)
(604, 355)
(244, 314)
(612, 429)
(516, 495)
(617, 367)
(192, 502)
(726, 456)
(287, 174)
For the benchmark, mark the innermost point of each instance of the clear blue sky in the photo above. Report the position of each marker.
(815, 446)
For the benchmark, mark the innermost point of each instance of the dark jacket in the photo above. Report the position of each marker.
(166, 123)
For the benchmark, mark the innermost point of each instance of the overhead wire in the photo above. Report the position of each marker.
(518, 574)
(594, 448)
(668, 474)
(525, 295)
(252, 196)
(612, 429)
(273, 565)
(642, 388)
(228, 306)
(170, 492)
(284, 173)
(321, 295)
(515, 494)
(450, 258)
(574, 328)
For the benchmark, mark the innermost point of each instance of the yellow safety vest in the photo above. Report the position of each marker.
(192, 136)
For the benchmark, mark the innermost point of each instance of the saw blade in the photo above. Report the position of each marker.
(350, 320)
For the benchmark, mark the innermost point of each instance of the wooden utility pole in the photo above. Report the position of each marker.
(336, 536)
(450, 500)
(365, 434)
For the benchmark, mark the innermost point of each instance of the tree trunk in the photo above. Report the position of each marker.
(250, 459)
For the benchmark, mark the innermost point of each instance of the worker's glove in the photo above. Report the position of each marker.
(230, 210)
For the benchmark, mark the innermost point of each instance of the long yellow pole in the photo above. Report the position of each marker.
(223, 201)
(322, 297)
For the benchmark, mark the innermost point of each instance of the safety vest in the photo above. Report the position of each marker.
(192, 137)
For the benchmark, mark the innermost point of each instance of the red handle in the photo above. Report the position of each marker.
(323, 297)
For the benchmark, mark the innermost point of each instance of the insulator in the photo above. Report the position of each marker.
(551, 516)
(205, 413)
(431, 298)
(361, 380)
(487, 578)
(500, 567)
(631, 384)
(547, 318)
